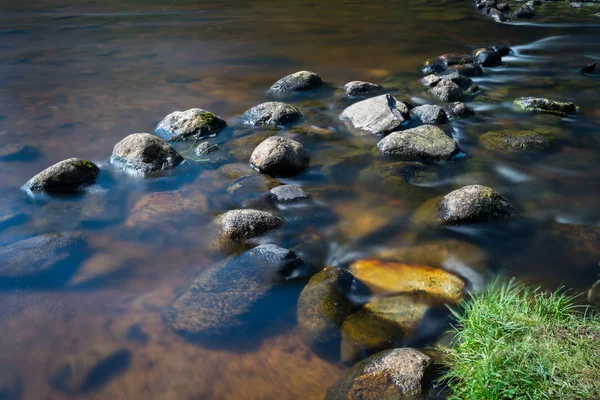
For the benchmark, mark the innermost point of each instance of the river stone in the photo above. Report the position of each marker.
(427, 141)
(509, 141)
(205, 148)
(279, 156)
(430, 114)
(379, 115)
(65, 176)
(393, 277)
(224, 297)
(433, 68)
(473, 204)
(502, 50)
(36, 256)
(454, 59)
(81, 372)
(588, 69)
(288, 194)
(272, 113)
(194, 123)
(458, 110)
(448, 91)
(546, 105)
(241, 225)
(10, 383)
(525, 11)
(360, 88)
(488, 58)
(160, 208)
(467, 70)
(497, 15)
(296, 82)
(397, 374)
(144, 154)
(430, 80)
(323, 306)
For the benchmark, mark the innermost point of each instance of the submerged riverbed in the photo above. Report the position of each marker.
(78, 77)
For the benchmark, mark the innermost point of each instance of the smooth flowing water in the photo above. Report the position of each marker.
(78, 76)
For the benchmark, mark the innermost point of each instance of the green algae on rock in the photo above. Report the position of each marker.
(65, 176)
(513, 141)
(194, 123)
(426, 142)
(546, 105)
(143, 154)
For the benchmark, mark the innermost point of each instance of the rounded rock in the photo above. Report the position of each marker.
(488, 58)
(296, 82)
(430, 114)
(194, 123)
(458, 109)
(288, 194)
(65, 176)
(427, 141)
(507, 141)
(474, 203)
(361, 88)
(279, 156)
(241, 225)
(448, 91)
(144, 154)
(272, 113)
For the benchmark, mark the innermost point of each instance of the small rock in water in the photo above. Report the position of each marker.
(392, 277)
(205, 148)
(81, 372)
(15, 151)
(10, 383)
(225, 297)
(458, 110)
(474, 203)
(35, 257)
(508, 141)
(430, 80)
(323, 306)
(379, 115)
(588, 69)
(397, 374)
(454, 59)
(98, 266)
(211, 153)
(360, 88)
(488, 58)
(467, 69)
(433, 68)
(296, 82)
(288, 194)
(448, 91)
(451, 74)
(279, 156)
(497, 15)
(272, 113)
(194, 123)
(395, 174)
(503, 51)
(525, 11)
(65, 176)
(546, 105)
(429, 114)
(503, 7)
(241, 225)
(144, 154)
(426, 141)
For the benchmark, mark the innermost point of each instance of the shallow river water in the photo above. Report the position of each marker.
(78, 76)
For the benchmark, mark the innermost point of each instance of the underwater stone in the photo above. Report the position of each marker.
(546, 105)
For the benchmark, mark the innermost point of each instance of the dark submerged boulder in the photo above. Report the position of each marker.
(144, 154)
(588, 69)
(194, 123)
(488, 58)
(508, 141)
(379, 115)
(82, 372)
(546, 105)
(228, 298)
(65, 176)
(427, 141)
(272, 113)
(397, 374)
(296, 82)
(279, 156)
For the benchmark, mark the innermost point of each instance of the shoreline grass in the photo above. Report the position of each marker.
(514, 342)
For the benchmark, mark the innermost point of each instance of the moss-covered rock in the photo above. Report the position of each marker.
(512, 141)
(322, 308)
(393, 277)
(143, 154)
(296, 82)
(546, 105)
(66, 176)
(194, 123)
(271, 113)
(423, 142)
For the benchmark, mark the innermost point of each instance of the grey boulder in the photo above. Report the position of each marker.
(279, 156)
(430, 114)
(296, 82)
(361, 88)
(474, 203)
(224, 297)
(144, 154)
(397, 374)
(271, 113)
(288, 194)
(379, 115)
(447, 90)
(241, 225)
(194, 123)
(65, 176)
(427, 141)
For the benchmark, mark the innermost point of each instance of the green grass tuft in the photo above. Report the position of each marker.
(514, 342)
